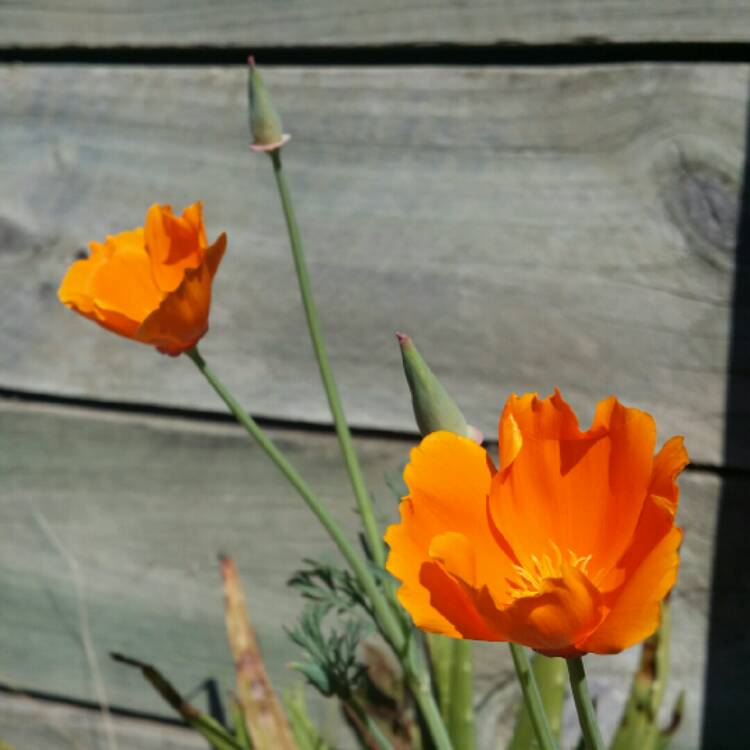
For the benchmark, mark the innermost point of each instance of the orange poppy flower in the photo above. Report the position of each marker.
(151, 284)
(568, 548)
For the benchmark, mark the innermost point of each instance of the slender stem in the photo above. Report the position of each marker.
(462, 696)
(533, 699)
(420, 686)
(586, 714)
(387, 619)
(369, 724)
(364, 504)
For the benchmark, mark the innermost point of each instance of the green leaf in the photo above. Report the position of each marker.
(551, 677)
(332, 664)
(315, 675)
(665, 735)
(240, 727)
(328, 585)
(218, 737)
(303, 728)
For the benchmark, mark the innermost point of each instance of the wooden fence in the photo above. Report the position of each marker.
(530, 226)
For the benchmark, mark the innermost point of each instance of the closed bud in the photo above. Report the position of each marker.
(434, 409)
(265, 123)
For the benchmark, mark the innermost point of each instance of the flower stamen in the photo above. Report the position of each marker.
(531, 579)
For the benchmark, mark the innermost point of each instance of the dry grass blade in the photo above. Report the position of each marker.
(264, 715)
(217, 735)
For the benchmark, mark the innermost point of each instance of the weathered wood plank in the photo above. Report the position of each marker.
(30, 724)
(143, 505)
(530, 228)
(357, 22)
(144, 509)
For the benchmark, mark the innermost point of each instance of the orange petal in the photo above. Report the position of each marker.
(455, 604)
(75, 289)
(584, 491)
(634, 609)
(448, 478)
(565, 610)
(405, 561)
(123, 284)
(658, 514)
(668, 464)
(174, 243)
(84, 287)
(455, 553)
(182, 318)
(75, 293)
(529, 416)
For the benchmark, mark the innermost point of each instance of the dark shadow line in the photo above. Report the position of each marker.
(39, 696)
(196, 415)
(726, 683)
(586, 51)
(206, 416)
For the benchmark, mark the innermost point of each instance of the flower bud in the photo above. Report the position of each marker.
(434, 409)
(265, 124)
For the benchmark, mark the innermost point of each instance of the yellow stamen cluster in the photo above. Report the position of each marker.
(531, 581)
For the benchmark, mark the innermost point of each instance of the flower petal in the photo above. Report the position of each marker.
(182, 318)
(584, 491)
(634, 609)
(75, 289)
(456, 554)
(448, 478)
(92, 288)
(565, 610)
(123, 284)
(668, 464)
(174, 243)
(658, 514)
(454, 603)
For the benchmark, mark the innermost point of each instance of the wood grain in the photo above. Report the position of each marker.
(144, 505)
(529, 228)
(357, 22)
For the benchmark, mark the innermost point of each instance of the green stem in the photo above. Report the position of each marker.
(440, 652)
(533, 699)
(586, 714)
(369, 724)
(364, 504)
(420, 686)
(462, 696)
(387, 619)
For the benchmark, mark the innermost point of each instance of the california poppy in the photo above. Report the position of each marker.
(151, 284)
(569, 547)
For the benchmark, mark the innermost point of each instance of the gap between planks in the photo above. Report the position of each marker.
(505, 54)
(210, 422)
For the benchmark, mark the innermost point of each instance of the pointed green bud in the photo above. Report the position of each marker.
(434, 409)
(265, 124)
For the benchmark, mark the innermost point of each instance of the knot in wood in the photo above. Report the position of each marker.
(705, 206)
